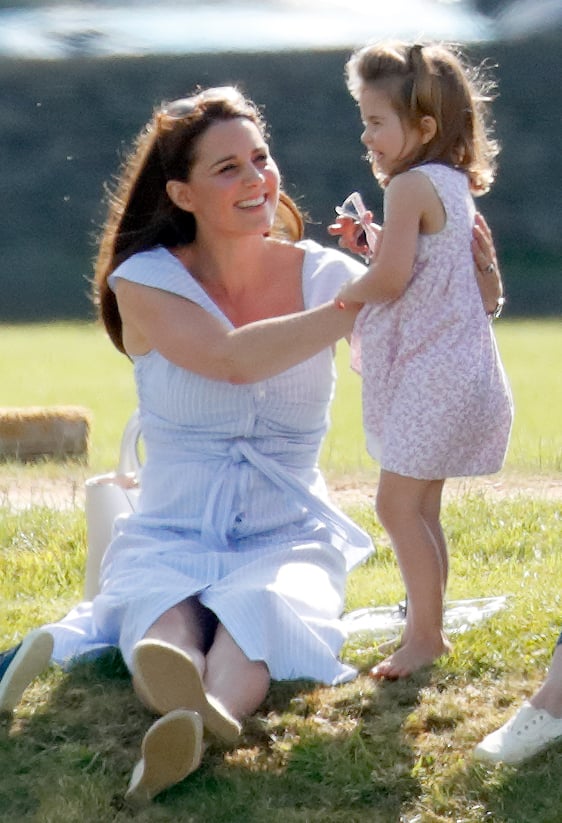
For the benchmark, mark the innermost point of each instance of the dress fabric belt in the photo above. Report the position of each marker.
(356, 544)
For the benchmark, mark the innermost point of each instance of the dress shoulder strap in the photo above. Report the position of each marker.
(159, 269)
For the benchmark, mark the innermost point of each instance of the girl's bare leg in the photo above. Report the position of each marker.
(431, 513)
(403, 503)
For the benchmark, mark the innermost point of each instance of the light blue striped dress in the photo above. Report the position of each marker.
(233, 508)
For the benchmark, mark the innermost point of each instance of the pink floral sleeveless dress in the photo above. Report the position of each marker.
(436, 400)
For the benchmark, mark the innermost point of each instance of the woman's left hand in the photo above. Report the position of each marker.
(488, 274)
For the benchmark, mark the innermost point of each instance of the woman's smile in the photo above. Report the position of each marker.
(253, 203)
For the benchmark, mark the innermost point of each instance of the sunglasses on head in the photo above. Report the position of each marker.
(184, 106)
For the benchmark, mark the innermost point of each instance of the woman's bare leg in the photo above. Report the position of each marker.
(238, 683)
(184, 626)
(230, 687)
(549, 695)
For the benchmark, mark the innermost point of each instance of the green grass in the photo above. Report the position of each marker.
(363, 751)
(386, 753)
(72, 363)
(532, 353)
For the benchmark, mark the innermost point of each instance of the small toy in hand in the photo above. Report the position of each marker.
(354, 207)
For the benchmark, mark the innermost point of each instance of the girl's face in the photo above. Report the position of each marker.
(388, 138)
(233, 187)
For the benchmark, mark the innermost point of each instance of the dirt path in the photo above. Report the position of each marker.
(19, 491)
(349, 491)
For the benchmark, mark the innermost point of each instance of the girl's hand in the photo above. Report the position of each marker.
(487, 271)
(352, 234)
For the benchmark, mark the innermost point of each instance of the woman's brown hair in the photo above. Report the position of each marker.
(140, 213)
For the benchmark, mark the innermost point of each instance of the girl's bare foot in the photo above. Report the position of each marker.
(395, 643)
(391, 645)
(410, 657)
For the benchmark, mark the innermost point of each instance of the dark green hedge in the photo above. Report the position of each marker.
(64, 124)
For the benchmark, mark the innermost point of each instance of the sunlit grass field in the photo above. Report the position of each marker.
(69, 363)
(380, 753)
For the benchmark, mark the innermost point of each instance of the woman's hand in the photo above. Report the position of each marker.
(487, 271)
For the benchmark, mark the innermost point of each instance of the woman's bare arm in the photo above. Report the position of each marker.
(190, 337)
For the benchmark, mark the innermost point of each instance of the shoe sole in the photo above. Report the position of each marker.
(170, 680)
(31, 659)
(171, 749)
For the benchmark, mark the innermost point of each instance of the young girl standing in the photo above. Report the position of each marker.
(436, 402)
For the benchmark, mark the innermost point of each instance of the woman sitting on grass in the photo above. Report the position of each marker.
(233, 570)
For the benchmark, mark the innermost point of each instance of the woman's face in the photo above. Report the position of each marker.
(233, 187)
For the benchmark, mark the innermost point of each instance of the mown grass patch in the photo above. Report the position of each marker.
(364, 751)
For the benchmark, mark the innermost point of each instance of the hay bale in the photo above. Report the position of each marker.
(31, 432)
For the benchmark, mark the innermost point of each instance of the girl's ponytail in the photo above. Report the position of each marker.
(425, 92)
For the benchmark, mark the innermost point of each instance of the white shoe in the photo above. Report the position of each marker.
(171, 749)
(527, 733)
(20, 665)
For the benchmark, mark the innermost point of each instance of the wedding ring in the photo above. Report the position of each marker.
(490, 268)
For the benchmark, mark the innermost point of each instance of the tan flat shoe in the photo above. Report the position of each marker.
(169, 680)
(171, 749)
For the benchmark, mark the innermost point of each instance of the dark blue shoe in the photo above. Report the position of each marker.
(21, 664)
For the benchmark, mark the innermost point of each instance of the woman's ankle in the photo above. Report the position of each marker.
(549, 698)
